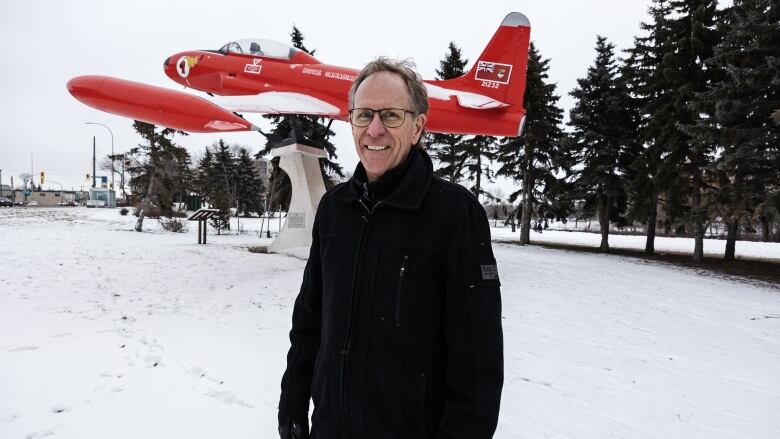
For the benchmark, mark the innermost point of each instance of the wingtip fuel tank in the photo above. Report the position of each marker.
(156, 105)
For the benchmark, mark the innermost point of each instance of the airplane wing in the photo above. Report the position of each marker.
(276, 102)
(464, 98)
(187, 112)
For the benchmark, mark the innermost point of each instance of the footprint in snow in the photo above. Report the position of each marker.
(153, 361)
(59, 408)
(228, 397)
(201, 374)
(37, 434)
(9, 417)
(23, 348)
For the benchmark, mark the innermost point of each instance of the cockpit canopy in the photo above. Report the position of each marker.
(259, 47)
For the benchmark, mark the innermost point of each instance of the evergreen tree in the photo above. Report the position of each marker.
(249, 183)
(603, 139)
(296, 36)
(202, 174)
(737, 113)
(226, 178)
(160, 170)
(533, 158)
(478, 153)
(650, 94)
(447, 149)
(313, 128)
(223, 185)
(682, 160)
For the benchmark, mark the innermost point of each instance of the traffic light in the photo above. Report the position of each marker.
(41, 178)
(87, 176)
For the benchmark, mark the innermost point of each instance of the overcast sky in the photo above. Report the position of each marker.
(45, 43)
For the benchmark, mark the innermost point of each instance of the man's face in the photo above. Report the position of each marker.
(380, 148)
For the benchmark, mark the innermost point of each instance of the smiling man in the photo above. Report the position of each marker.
(397, 327)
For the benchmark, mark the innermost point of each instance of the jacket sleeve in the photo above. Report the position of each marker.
(474, 369)
(304, 336)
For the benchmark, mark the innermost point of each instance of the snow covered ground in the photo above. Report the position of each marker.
(109, 333)
(712, 247)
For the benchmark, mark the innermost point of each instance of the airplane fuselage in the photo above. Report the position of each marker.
(258, 84)
(266, 77)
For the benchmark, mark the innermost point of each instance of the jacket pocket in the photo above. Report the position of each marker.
(401, 273)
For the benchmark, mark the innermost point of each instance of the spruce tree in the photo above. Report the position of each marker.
(689, 189)
(223, 185)
(534, 158)
(313, 128)
(446, 150)
(478, 154)
(459, 156)
(159, 169)
(226, 178)
(738, 109)
(249, 184)
(666, 71)
(650, 94)
(603, 139)
(201, 177)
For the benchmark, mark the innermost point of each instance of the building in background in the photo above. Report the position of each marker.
(263, 167)
(101, 197)
(48, 198)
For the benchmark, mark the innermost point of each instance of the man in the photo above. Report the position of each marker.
(397, 327)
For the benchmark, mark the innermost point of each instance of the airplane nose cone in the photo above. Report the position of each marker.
(178, 66)
(169, 67)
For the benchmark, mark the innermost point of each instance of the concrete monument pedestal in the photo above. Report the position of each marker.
(302, 165)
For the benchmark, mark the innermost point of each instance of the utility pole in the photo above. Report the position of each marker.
(1, 183)
(112, 150)
(94, 175)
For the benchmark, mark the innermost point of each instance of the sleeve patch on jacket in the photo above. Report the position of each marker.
(489, 272)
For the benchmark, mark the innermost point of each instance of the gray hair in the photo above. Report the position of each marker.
(418, 94)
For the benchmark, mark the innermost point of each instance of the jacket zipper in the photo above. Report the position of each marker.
(353, 298)
(400, 285)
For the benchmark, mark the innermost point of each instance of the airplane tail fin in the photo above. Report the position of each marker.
(499, 72)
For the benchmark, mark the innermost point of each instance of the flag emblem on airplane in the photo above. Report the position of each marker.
(493, 71)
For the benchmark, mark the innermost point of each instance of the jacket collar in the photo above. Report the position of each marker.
(411, 187)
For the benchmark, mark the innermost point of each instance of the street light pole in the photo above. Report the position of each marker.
(112, 150)
(62, 189)
(94, 171)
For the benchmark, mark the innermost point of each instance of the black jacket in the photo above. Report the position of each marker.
(397, 327)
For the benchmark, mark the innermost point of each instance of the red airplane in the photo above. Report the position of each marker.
(260, 76)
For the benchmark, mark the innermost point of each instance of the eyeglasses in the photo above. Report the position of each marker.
(390, 117)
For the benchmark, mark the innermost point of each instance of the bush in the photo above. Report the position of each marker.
(124, 211)
(173, 225)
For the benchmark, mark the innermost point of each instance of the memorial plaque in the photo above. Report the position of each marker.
(296, 221)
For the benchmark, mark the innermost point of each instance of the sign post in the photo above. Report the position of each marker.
(201, 216)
